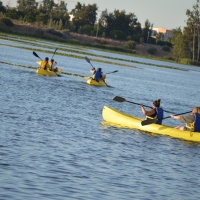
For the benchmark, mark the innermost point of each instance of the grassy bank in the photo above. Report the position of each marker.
(37, 31)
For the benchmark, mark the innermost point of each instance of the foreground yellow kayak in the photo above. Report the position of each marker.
(120, 119)
(47, 72)
(91, 81)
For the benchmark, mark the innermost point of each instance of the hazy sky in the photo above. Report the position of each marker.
(162, 13)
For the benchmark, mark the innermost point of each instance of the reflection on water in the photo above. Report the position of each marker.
(53, 144)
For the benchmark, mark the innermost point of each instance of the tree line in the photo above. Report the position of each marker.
(118, 24)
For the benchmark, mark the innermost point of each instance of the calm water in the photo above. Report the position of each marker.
(53, 144)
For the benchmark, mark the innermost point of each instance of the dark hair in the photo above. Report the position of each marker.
(99, 69)
(156, 103)
(52, 60)
(46, 58)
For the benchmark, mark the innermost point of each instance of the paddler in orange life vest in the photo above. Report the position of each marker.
(52, 65)
(155, 113)
(44, 64)
(97, 74)
(192, 120)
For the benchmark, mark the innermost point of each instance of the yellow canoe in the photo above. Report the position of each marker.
(91, 81)
(123, 120)
(47, 72)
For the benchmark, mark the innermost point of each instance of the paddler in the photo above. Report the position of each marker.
(97, 74)
(44, 64)
(52, 65)
(192, 120)
(155, 113)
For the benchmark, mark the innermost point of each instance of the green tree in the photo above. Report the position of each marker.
(2, 8)
(193, 29)
(178, 45)
(28, 9)
(147, 31)
(118, 24)
(84, 15)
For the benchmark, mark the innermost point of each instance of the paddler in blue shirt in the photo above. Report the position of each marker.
(155, 113)
(97, 74)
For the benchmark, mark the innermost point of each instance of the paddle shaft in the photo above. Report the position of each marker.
(176, 115)
(54, 53)
(152, 121)
(121, 99)
(148, 106)
(88, 60)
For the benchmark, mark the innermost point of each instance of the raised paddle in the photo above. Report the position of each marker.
(54, 53)
(152, 121)
(88, 60)
(35, 54)
(121, 99)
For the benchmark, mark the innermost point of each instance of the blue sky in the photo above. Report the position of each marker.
(162, 13)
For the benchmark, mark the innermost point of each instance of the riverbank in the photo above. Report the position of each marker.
(97, 42)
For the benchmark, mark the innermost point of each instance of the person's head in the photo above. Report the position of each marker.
(52, 60)
(99, 69)
(156, 103)
(46, 59)
(196, 110)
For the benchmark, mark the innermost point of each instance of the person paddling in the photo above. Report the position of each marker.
(52, 65)
(97, 74)
(192, 120)
(155, 113)
(44, 64)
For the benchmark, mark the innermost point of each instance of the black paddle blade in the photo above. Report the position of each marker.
(87, 59)
(112, 72)
(119, 99)
(35, 54)
(148, 121)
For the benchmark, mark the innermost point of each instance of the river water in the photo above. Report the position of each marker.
(54, 144)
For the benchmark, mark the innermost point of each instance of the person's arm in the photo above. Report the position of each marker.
(175, 117)
(184, 119)
(54, 64)
(92, 71)
(147, 113)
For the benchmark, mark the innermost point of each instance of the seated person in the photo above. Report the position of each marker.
(97, 74)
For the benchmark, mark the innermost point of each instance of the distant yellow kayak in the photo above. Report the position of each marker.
(91, 81)
(47, 72)
(120, 119)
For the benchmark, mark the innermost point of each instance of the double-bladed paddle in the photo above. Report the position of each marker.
(152, 121)
(121, 99)
(87, 77)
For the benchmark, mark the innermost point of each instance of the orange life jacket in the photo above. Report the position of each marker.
(45, 65)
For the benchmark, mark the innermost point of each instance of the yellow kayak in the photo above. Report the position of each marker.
(47, 72)
(123, 120)
(91, 81)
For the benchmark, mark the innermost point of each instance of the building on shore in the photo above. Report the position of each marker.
(166, 33)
